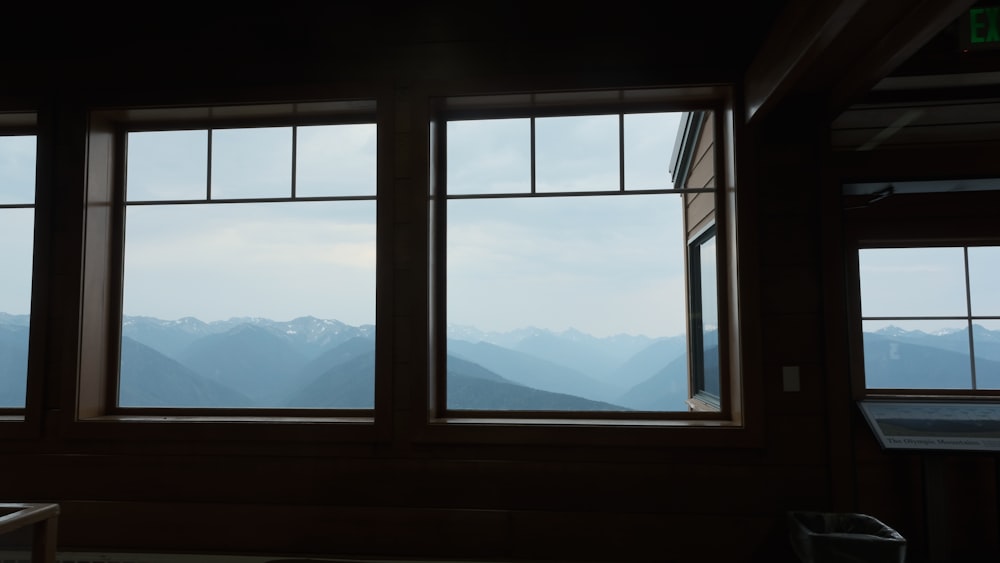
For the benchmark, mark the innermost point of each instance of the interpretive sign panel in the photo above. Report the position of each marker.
(928, 425)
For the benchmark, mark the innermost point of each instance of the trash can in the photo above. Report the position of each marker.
(823, 537)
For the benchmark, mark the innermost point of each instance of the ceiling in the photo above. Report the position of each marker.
(888, 71)
(945, 93)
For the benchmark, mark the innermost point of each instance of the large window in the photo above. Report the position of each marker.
(577, 263)
(247, 263)
(17, 216)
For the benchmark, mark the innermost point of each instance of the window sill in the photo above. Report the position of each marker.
(237, 428)
(698, 433)
(16, 426)
(585, 422)
(181, 419)
(698, 405)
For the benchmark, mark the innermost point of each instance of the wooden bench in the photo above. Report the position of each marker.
(43, 517)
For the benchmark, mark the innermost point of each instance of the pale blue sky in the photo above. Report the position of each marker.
(277, 260)
(603, 265)
(596, 264)
(17, 186)
(930, 282)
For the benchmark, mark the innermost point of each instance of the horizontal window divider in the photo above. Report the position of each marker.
(935, 318)
(468, 108)
(17, 205)
(615, 192)
(934, 394)
(587, 422)
(223, 412)
(582, 416)
(942, 395)
(6, 131)
(234, 418)
(253, 200)
(172, 119)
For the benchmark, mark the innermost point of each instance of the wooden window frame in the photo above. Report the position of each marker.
(731, 425)
(96, 414)
(25, 422)
(909, 220)
(700, 399)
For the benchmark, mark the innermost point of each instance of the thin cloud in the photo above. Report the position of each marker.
(16, 234)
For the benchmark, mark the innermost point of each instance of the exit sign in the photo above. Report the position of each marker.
(980, 28)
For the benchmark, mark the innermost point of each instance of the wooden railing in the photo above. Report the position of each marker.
(43, 517)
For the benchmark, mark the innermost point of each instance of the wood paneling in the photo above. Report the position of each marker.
(395, 492)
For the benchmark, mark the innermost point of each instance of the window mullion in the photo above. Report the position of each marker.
(295, 156)
(208, 166)
(968, 305)
(532, 128)
(621, 152)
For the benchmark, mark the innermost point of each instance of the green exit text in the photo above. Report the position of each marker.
(983, 25)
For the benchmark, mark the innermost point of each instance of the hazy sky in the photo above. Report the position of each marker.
(929, 282)
(17, 186)
(277, 260)
(601, 264)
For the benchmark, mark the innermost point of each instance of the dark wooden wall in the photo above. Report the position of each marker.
(403, 495)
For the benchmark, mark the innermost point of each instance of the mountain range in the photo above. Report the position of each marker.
(315, 363)
(913, 359)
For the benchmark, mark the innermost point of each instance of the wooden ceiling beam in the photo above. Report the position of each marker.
(913, 30)
(840, 50)
(798, 39)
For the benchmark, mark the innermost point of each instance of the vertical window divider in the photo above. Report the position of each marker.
(968, 310)
(532, 128)
(439, 293)
(621, 151)
(119, 196)
(295, 156)
(208, 166)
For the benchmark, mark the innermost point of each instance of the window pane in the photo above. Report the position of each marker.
(987, 341)
(573, 303)
(489, 156)
(164, 165)
(16, 236)
(649, 147)
(17, 169)
(578, 153)
(709, 322)
(907, 354)
(912, 282)
(249, 305)
(984, 280)
(335, 160)
(252, 163)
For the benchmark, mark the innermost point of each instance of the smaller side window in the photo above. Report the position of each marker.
(930, 317)
(704, 318)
